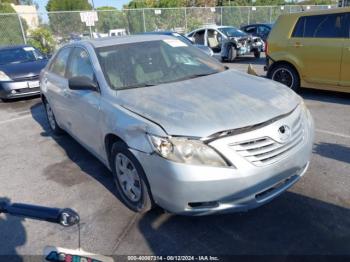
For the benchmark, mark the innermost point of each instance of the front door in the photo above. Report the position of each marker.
(84, 104)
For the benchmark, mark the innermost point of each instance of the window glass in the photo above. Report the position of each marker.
(169, 60)
(299, 28)
(80, 65)
(58, 66)
(263, 30)
(199, 37)
(232, 32)
(250, 30)
(19, 55)
(321, 26)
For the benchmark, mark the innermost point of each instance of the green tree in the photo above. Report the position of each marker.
(64, 24)
(10, 28)
(110, 18)
(42, 39)
(68, 5)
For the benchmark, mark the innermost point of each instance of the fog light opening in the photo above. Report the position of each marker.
(211, 204)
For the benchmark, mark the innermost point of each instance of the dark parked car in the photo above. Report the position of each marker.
(184, 39)
(20, 67)
(260, 30)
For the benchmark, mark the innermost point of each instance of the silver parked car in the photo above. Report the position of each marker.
(227, 42)
(176, 127)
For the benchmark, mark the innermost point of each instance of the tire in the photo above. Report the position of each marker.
(257, 54)
(285, 74)
(232, 54)
(130, 179)
(54, 127)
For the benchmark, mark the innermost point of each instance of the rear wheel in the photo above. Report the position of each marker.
(51, 119)
(285, 74)
(130, 179)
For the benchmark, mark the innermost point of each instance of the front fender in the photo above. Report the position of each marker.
(129, 126)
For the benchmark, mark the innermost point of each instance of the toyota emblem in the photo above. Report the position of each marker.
(284, 133)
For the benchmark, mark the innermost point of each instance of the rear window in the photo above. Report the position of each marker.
(321, 26)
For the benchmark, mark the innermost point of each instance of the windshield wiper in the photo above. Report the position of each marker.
(195, 76)
(137, 86)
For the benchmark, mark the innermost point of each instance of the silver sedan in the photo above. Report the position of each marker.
(176, 127)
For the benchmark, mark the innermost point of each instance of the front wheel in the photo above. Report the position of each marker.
(130, 179)
(232, 54)
(285, 74)
(257, 54)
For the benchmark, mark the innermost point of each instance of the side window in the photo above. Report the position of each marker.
(80, 65)
(299, 28)
(321, 26)
(250, 30)
(263, 30)
(199, 37)
(58, 66)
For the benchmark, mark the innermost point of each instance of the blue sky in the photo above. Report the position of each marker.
(116, 3)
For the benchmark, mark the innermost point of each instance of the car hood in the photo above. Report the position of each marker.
(22, 70)
(206, 105)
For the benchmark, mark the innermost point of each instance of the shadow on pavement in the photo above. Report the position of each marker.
(12, 234)
(333, 151)
(246, 60)
(291, 225)
(325, 96)
(77, 155)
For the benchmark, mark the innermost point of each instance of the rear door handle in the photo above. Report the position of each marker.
(298, 45)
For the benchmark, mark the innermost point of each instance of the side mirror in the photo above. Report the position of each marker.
(82, 83)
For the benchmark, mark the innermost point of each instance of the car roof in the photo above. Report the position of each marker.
(120, 40)
(13, 47)
(159, 33)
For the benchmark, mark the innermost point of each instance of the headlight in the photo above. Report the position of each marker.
(188, 151)
(4, 77)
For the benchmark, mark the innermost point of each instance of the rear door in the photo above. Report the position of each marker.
(345, 64)
(54, 85)
(316, 45)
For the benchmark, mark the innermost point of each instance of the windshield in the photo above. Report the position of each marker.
(19, 55)
(232, 32)
(153, 63)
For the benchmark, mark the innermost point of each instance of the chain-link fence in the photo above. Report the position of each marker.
(68, 26)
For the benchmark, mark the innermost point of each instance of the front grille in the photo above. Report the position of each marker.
(265, 150)
(26, 90)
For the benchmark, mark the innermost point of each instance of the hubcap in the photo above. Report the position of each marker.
(283, 76)
(128, 177)
(50, 116)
